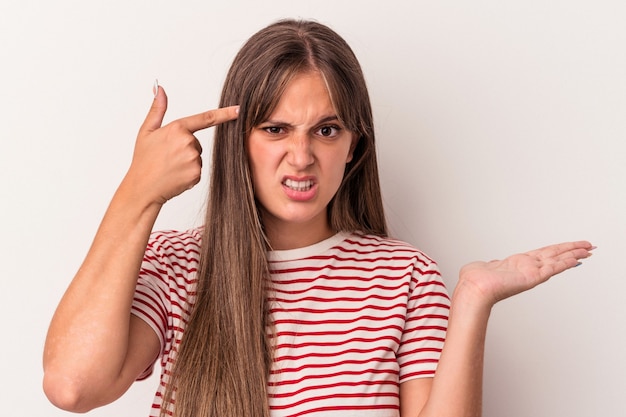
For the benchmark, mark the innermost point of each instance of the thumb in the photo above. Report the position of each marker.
(154, 119)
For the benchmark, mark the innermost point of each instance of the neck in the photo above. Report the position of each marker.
(293, 236)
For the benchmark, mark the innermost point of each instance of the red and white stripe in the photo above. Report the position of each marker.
(354, 316)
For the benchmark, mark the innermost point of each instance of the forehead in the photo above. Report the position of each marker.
(306, 94)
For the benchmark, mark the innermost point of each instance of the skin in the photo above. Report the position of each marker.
(302, 140)
(95, 348)
(456, 389)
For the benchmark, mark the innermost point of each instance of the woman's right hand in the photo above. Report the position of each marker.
(167, 159)
(95, 347)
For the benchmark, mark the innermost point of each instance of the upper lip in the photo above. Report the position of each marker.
(298, 178)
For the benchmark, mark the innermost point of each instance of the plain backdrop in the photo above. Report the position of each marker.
(500, 126)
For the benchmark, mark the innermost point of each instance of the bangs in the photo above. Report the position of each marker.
(265, 98)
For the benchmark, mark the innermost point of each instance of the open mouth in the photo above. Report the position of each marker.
(298, 185)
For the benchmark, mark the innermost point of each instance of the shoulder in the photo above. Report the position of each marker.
(169, 266)
(165, 241)
(385, 246)
(172, 251)
(395, 256)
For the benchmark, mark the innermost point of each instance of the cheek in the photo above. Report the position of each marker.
(337, 165)
(264, 158)
(256, 151)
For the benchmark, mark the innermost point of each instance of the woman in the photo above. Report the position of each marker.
(291, 300)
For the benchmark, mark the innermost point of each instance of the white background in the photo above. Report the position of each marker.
(501, 127)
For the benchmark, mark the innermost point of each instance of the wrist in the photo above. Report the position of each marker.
(134, 191)
(132, 207)
(469, 298)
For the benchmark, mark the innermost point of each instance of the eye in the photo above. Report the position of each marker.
(274, 130)
(329, 131)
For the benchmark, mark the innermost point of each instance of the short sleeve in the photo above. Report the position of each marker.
(424, 334)
(165, 284)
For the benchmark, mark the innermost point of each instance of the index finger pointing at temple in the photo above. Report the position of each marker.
(209, 118)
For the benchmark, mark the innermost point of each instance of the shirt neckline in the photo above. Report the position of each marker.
(306, 251)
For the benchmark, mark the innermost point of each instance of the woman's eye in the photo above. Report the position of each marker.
(329, 131)
(274, 130)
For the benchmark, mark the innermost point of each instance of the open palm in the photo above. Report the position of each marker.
(500, 279)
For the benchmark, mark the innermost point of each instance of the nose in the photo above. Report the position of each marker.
(300, 153)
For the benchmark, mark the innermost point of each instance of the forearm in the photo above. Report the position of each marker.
(95, 349)
(457, 386)
(88, 338)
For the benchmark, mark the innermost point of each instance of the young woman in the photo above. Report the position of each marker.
(290, 300)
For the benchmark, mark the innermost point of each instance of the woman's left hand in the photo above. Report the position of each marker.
(499, 279)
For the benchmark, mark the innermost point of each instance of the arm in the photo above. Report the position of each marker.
(95, 348)
(456, 389)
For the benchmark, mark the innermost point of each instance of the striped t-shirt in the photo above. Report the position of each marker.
(354, 316)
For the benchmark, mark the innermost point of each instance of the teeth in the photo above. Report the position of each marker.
(299, 185)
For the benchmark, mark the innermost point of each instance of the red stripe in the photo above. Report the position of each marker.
(401, 329)
(370, 259)
(331, 354)
(421, 361)
(344, 268)
(420, 374)
(425, 339)
(344, 408)
(337, 309)
(356, 329)
(152, 303)
(343, 342)
(332, 365)
(334, 386)
(354, 320)
(336, 374)
(337, 299)
(429, 305)
(334, 396)
(344, 288)
(339, 278)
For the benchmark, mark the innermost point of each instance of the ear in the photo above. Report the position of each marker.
(355, 141)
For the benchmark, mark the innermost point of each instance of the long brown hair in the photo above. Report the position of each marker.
(225, 356)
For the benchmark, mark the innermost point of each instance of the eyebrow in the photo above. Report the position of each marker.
(331, 118)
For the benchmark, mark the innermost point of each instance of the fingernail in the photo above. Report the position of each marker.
(155, 88)
(593, 247)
